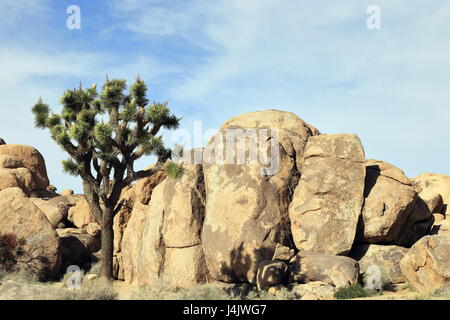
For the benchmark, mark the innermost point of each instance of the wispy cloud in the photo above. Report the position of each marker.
(321, 62)
(14, 12)
(216, 59)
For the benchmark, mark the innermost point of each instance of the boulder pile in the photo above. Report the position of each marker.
(40, 230)
(320, 221)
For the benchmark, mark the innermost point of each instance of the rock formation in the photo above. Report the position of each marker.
(30, 159)
(387, 258)
(430, 186)
(327, 202)
(391, 206)
(163, 238)
(305, 213)
(426, 266)
(36, 243)
(338, 271)
(246, 210)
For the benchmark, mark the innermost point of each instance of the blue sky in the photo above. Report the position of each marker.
(213, 59)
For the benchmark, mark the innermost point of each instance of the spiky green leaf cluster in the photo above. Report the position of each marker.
(113, 93)
(173, 170)
(129, 111)
(71, 167)
(139, 92)
(41, 112)
(159, 113)
(103, 133)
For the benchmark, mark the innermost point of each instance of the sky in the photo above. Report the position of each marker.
(214, 59)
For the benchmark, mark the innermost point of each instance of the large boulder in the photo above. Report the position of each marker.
(426, 266)
(327, 202)
(2, 142)
(163, 239)
(387, 258)
(55, 209)
(39, 247)
(31, 159)
(389, 201)
(247, 199)
(80, 214)
(21, 178)
(430, 185)
(337, 271)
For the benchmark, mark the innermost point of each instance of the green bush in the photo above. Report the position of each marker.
(354, 291)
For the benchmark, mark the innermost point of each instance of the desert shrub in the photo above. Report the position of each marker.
(21, 276)
(8, 246)
(99, 289)
(354, 291)
(443, 292)
(174, 170)
(163, 290)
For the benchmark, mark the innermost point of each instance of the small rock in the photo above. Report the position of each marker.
(91, 277)
(80, 214)
(2, 141)
(276, 290)
(316, 290)
(51, 188)
(283, 253)
(67, 192)
(438, 218)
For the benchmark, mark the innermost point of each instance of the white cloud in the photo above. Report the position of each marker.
(14, 12)
(317, 60)
(321, 62)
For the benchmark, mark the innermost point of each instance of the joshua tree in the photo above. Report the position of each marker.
(104, 135)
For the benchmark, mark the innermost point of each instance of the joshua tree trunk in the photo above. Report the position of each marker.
(107, 243)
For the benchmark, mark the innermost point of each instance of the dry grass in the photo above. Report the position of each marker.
(163, 290)
(26, 285)
(20, 277)
(98, 289)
